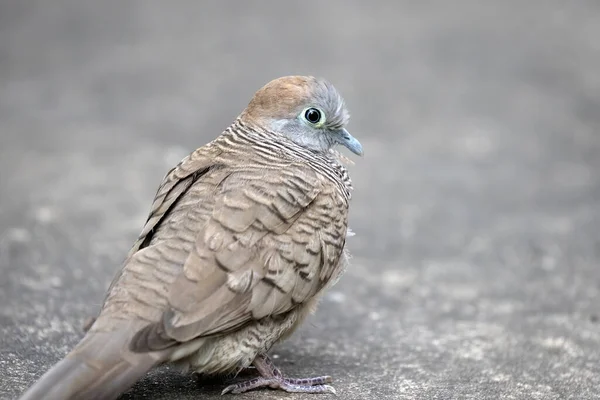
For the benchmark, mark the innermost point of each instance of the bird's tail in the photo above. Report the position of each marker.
(101, 367)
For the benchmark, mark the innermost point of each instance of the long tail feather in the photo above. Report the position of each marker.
(101, 367)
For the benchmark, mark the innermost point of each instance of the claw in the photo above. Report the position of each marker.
(330, 389)
(282, 384)
(271, 377)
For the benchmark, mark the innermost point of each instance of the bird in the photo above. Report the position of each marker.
(243, 237)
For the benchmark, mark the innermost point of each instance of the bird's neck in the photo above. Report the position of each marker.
(278, 147)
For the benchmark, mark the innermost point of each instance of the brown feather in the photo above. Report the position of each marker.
(241, 239)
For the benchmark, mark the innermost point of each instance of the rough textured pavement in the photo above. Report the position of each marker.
(476, 270)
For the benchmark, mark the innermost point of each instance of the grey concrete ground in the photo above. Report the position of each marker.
(477, 206)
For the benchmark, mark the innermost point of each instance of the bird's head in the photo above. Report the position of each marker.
(307, 110)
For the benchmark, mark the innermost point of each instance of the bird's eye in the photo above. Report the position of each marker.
(313, 115)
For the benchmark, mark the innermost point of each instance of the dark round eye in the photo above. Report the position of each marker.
(312, 115)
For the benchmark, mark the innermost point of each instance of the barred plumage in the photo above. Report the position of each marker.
(242, 237)
(277, 148)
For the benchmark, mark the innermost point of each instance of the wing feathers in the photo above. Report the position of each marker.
(259, 253)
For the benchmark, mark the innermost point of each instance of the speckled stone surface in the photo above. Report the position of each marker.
(476, 269)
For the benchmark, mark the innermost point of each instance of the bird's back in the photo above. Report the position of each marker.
(242, 237)
(243, 162)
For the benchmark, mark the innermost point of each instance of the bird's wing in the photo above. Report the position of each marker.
(175, 183)
(272, 241)
(173, 188)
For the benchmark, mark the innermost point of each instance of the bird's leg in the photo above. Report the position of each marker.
(271, 377)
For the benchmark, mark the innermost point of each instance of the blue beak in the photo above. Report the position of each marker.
(346, 139)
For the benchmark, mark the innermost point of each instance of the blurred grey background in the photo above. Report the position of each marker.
(476, 269)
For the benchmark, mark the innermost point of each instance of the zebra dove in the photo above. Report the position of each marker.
(243, 236)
